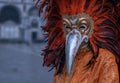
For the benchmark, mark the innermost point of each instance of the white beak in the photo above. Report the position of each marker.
(73, 42)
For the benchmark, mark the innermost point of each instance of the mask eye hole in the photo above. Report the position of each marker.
(67, 28)
(83, 27)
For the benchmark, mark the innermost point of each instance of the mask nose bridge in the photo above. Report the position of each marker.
(73, 23)
(74, 26)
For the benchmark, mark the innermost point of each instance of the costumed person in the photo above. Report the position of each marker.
(83, 40)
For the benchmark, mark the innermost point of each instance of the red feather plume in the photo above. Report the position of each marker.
(106, 17)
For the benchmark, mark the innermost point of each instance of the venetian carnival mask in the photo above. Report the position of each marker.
(77, 30)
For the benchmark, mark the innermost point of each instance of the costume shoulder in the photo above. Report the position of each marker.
(106, 54)
(109, 71)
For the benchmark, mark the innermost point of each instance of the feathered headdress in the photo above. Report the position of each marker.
(105, 14)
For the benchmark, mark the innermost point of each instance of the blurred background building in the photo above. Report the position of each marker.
(21, 42)
(19, 21)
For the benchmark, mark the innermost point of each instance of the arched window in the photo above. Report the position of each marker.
(9, 13)
(33, 11)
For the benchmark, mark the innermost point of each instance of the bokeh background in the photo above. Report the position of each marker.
(21, 42)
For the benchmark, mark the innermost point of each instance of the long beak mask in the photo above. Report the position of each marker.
(73, 42)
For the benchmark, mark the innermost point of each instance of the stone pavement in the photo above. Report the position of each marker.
(21, 63)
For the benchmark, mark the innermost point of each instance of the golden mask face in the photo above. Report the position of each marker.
(77, 29)
(82, 22)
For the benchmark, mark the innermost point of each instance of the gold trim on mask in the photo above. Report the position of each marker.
(82, 22)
